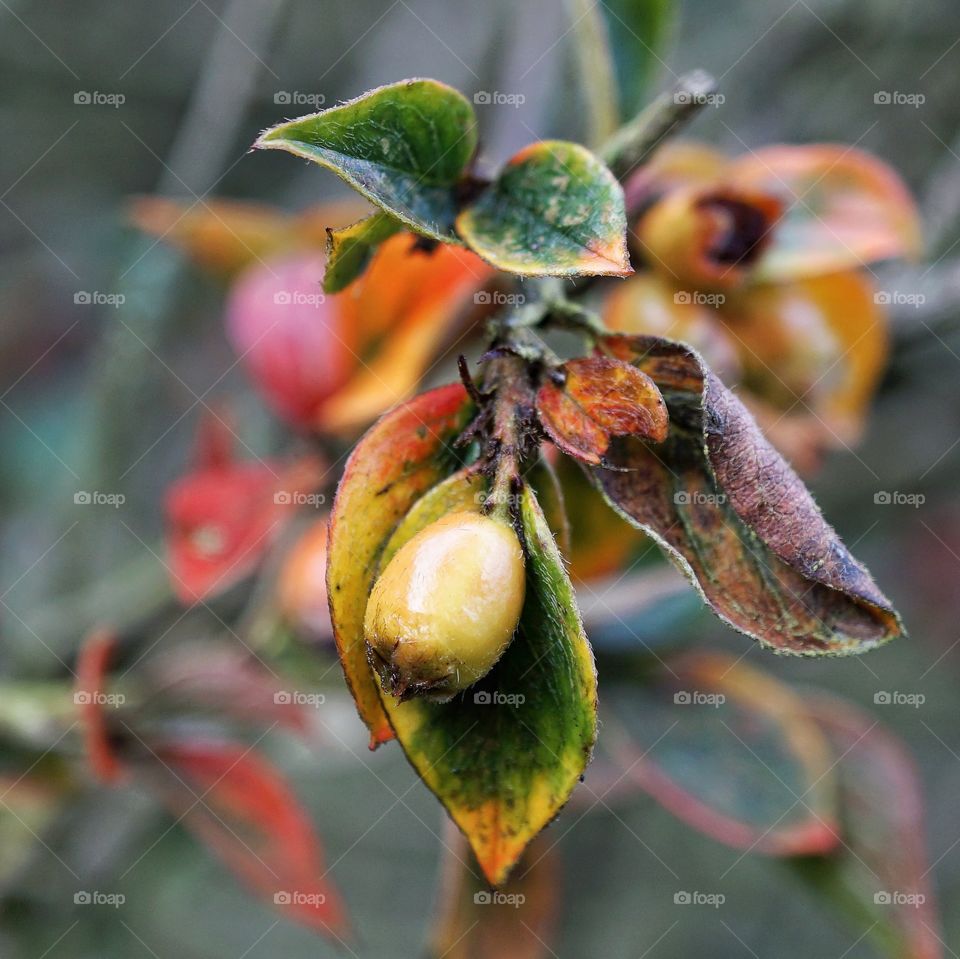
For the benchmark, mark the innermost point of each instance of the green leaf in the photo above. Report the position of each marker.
(400, 457)
(350, 249)
(554, 210)
(402, 146)
(637, 29)
(732, 752)
(736, 519)
(504, 756)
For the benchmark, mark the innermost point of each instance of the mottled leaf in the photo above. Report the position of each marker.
(519, 920)
(400, 458)
(241, 807)
(736, 519)
(733, 753)
(845, 208)
(504, 756)
(402, 146)
(587, 401)
(880, 873)
(554, 210)
(350, 249)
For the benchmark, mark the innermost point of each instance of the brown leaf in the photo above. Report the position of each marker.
(737, 520)
(600, 397)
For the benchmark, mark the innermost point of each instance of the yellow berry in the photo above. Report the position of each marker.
(446, 606)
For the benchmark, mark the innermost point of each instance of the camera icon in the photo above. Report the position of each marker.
(82, 498)
(82, 698)
(281, 97)
(282, 898)
(82, 298)
(683, 96)
(682, 899)
(482, 97)
(882, 698)
(882, 298)
(882, 898)
(482, 898)
(283, 697)
(482, 298)
(681, 498)
(282, 298)
(882, 96)
(82, 97)
(682, 698)
(82, 899)
(682, 298)
(882, 498)
(282, 498)
(482, 698)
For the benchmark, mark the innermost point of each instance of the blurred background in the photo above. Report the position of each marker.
(113, 345)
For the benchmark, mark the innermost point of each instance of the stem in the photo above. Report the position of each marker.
(633, 144)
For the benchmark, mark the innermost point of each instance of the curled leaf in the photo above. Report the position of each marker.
(350, 249)
(554, 210)
(400, 458)
(733, 753)
(504, 756)
(402, 146)
(598, 398)
(736, 519)
(845, 208)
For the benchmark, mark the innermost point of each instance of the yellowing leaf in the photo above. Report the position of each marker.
(504, 756)
(554, 210)
(400, 457)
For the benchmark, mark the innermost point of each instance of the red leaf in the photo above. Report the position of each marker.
(89, 692)
(223, 516)
(240, 806)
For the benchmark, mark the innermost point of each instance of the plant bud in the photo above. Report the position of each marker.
(446, 607)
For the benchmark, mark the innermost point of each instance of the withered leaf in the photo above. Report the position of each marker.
(736, 519)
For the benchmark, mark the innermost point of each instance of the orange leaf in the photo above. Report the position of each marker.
(240, 806)
(845, 209)
(403, 309)
(600, 397)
